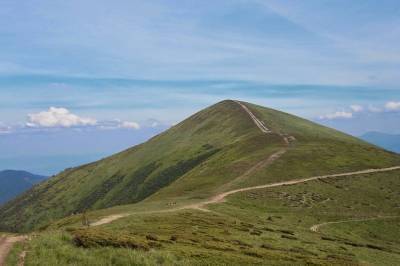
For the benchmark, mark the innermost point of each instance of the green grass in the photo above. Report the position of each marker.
(298, 207)
(268, 226)
(56, 248)
(198, 239)
(195, 160)
(13, 258)
(271, 226)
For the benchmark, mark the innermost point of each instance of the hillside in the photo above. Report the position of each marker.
(13, 183)
(391, 142)
(217, 149)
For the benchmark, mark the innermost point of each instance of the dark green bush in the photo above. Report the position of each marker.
(90, 238)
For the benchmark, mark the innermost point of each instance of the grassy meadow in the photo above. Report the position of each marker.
(260, 227)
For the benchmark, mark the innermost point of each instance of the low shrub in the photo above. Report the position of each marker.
(288, 232)
(101, 238)
(255, 232)
(152, 237)
(289, 237)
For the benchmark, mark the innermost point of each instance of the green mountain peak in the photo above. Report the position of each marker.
(227, 145)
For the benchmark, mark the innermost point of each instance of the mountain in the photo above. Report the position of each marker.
(390, 142)
(228, 145)
(13, 183)
(234, 184)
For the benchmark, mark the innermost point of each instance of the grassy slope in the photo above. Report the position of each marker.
(318, 150)
(267, 226)
(210, 148)
(191, 161)
(256, 226)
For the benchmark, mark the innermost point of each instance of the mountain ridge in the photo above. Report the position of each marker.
(196, 159)
(14, 182)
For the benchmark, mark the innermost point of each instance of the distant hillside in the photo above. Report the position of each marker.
(13, 183)
(384, 140)
(211, 151)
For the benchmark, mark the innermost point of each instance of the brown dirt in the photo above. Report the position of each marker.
(6, 243)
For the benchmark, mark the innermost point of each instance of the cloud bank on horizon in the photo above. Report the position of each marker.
(389, 107)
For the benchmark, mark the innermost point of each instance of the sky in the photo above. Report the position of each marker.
(80, 80)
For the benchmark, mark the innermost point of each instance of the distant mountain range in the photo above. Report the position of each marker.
(390, 142)
(13, 183)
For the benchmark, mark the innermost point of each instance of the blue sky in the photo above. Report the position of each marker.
(127, 70)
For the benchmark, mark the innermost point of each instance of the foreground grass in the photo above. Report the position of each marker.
(57, 248)
(375, 242)
(201, 246)
(263, 227)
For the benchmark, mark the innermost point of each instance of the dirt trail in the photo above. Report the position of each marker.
(267, 161)
(6, 244)
(259, 124)
(316, 227)
(22, 257)
(262, 164)
(221, 196)
(109, 219)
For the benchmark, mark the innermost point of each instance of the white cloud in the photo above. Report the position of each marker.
(61, 117)
(392, 106)
(58, 117)
(353, 110)
(337, 115)
(356, 108)
(129, 125)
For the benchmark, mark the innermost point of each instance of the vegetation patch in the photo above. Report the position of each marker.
(171, 173)
(289, 237)
(101, 238)
(252, 254)
(99, 192)
(131, 188)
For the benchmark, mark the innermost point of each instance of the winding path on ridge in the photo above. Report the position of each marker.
(267, 161)
(221, 197)
(264, 163)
